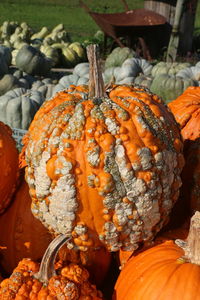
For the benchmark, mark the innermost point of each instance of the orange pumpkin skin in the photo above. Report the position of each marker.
(23, 235)
(93, 260)
(9, 166)
(158, 273)
(104, 171)
(186, 110)
(71, 284)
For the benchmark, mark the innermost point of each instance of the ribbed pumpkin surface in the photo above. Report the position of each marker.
(104, 170)
(186, 110)
(156, 274)
(21, 233)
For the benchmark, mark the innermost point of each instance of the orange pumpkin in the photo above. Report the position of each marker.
(9, 166)
(186, 110)
(20, 232)
(170, 270)
(104, 170)
(31, 281)
(93, 260)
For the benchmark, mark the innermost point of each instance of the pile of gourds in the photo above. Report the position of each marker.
(100, 177)
(55, 43)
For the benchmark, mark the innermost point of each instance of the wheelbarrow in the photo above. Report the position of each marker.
(140, 23)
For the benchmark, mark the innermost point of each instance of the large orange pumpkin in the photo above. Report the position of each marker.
(104, 170)
(9, 166)
(167, 271)
(186, 110)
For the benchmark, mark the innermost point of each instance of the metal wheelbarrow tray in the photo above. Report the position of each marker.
(137, 22)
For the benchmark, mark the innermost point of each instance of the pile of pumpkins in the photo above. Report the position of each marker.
(107, 175)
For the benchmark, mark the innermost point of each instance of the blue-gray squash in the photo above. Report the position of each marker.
(18, 107)
(32, 61)
(169, 68)
(143, 80)
(9, 82)
(169, 87)
(6, 52)
(3, 65)
(118, 56)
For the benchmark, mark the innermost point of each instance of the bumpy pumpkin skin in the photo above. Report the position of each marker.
(186, 110)
(93, 260)
(71, 284)
(23, 235)
(158, 273)
(104, 171)
(9, 163)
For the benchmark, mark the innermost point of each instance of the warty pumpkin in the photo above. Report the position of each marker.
(9, 166)
(30, 280)
(96, 261)
(103, 169)
(186, 110)
(176, 228)
(170, 270)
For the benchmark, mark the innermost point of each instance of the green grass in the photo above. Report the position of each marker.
(78, 23)
(39, 13)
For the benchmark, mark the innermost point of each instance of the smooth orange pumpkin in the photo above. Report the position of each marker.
(104, 170)
(21, 233)
(9, 166)
(167, 271)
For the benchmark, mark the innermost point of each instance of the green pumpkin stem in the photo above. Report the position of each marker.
(96, 84)
(47, 269)
(191, 246)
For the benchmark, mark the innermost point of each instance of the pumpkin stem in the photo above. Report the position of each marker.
(191, 246)
(96, 84)
(47, 269)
